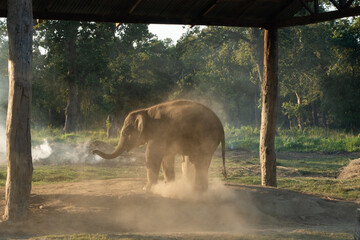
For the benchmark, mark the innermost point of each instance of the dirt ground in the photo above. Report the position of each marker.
(225, 211)
(120, 206)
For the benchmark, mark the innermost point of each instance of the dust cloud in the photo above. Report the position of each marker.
(175, 206)
(41, 151)
(63, 153)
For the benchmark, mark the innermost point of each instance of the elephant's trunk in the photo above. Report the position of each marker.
(117, 152)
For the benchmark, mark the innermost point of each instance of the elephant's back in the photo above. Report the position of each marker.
(191, 118)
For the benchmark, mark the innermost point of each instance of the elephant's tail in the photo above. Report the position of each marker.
(223, 156)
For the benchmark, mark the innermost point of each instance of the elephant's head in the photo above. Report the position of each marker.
(132, 135)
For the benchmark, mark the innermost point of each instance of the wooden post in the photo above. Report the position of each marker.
(19, 161)
(269, 108)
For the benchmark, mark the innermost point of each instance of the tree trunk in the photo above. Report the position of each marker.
(324, 119)
(256, 45)
(19, 161)
(315, 114)
(111, 126)
(269, 108)
(256, 99)
(298, 114)
(71, 107)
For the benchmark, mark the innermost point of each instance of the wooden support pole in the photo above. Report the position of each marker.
(19, 161)
(269, 108)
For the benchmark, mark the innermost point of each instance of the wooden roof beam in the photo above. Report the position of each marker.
(132, 9)
(285, 7)
(208, 8)
(320, 17)
(244, 8)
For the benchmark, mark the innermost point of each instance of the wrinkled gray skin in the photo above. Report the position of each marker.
(178, 127)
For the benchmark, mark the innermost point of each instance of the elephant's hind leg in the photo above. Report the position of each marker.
(188, 170)
(201, 173)
(168, 167)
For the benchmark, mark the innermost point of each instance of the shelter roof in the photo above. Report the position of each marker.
(245, 13)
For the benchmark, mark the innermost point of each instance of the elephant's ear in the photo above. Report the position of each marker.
(140, 122)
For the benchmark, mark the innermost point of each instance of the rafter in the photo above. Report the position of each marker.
(320, 17)
(337, 5)
(208, 8)
(132, 9)
(306, 6)
(316, 6)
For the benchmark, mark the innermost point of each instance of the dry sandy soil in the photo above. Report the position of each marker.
(119, 206)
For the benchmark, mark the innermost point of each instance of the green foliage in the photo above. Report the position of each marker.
(121, 69)
(58, 135)
(317, 139)
(308, 140)
(245, 137)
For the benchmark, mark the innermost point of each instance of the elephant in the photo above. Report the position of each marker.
(179, 127)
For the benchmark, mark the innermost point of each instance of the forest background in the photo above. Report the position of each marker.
(88, 75)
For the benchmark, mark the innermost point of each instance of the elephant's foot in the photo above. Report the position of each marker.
(201, 188)
(147, 187)
(201, 179)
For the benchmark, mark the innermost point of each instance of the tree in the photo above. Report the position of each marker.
(304, 60)
(342, 87)
(75, 57)
(19, 160)
(141, 74)
(216, 65)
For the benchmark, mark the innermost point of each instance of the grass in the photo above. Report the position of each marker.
(307, 172)
(244, 138)
(322, 165)
(309, 140)
(300, 168)
(316, 173)
(333, 188)
(311, 173)
(74, 173)
(292, 235)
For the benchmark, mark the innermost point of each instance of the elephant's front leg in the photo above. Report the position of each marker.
(153, 161)
(168, 167)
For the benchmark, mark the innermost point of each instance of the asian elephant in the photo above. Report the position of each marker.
(177, 127)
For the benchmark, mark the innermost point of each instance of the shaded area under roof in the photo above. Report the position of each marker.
(247, 13)
(242, 13)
